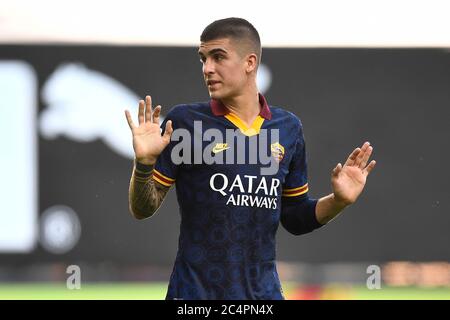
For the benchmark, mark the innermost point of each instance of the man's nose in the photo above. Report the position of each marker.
(208, 67)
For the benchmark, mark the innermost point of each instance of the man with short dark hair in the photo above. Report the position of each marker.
(230, 211)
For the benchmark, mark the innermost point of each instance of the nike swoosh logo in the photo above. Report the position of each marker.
(219, 149)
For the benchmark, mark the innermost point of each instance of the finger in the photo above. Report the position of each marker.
(360, 156)
(141, 112)
(366, 157)
(337, 169)
(129, 120)
(370, 167)
(156, 115)
(148, 108)
(351, 159)
(168, 131)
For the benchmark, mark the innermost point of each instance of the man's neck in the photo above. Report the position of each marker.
(246, 107)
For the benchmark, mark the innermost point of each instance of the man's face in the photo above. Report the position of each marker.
(224, 69)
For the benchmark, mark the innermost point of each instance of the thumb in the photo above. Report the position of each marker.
(337, 169)
(168, 130)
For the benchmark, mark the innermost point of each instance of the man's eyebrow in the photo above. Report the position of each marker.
(213, 51)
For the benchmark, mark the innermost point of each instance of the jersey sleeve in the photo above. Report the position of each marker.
(298, 211)
(165, 171)
(296, 182)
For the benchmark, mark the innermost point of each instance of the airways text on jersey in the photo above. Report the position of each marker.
(247, 190)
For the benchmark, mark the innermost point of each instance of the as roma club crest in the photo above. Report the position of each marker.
(277, 151)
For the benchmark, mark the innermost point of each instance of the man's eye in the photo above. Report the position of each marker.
(218, 57)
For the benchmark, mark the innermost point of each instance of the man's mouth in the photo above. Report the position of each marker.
(212, 82)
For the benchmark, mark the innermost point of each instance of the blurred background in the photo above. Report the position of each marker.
(353, 71)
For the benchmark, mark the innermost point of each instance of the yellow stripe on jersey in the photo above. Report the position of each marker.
(294, 192)
(163, 176)
(162, 179)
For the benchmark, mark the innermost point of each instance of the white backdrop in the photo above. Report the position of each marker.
(300, 23)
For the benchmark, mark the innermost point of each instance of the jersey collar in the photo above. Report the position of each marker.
(219, 109)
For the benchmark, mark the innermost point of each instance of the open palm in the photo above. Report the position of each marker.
(348, 181)
(147, 140)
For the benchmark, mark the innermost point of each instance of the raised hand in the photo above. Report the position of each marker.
(147, 140)
(348, 181)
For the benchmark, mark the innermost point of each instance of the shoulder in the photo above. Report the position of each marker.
(287, 117)
(187, 110)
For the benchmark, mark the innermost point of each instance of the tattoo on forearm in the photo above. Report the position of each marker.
(145, 194)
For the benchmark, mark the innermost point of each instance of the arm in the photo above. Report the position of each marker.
(298, 216)
(303, 215)
(146, 195)
(328, 208)
(347, 182)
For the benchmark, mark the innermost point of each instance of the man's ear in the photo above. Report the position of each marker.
(252, 62)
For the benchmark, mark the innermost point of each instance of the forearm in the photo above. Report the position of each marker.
(145, 195)
(327, 208)
(298, 216)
